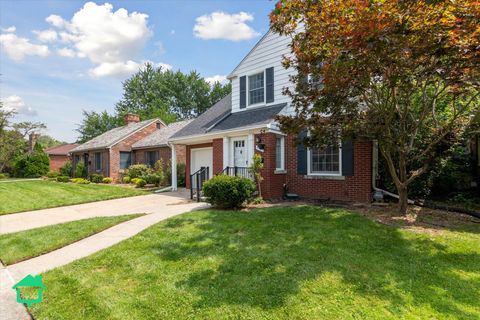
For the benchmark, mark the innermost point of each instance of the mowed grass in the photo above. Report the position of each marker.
(276, 263)
(18, 246)
(32, 195)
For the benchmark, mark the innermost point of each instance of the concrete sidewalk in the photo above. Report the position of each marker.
(39, 218)
(10, 309)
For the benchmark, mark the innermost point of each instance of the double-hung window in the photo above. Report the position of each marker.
(125, 160)
(280, 154)
(256, 88)
(151, 158)
(98, 161)
(325, 161)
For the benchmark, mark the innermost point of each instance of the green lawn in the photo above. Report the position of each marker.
(33, 195)
(18, 246)
(277, 263)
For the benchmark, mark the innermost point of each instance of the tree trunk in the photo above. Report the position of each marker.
(402, 200)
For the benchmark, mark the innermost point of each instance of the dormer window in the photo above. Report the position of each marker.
(256, 88)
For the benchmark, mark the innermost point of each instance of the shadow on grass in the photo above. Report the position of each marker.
(267, 255)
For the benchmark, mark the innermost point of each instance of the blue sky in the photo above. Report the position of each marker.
(59, 57)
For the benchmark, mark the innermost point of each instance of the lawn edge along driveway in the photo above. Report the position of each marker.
(24, 245)
(22, 196)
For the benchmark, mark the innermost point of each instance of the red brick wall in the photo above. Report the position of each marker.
(217, 156)
(272, 185)
(188, 160)
(91, 161)
(57, 161)
(356, 188)
(126, 145)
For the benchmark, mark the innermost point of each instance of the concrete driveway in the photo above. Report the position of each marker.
(153, 203)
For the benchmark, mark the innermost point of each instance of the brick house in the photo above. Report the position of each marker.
(226, 136)
(59, 155)
(155, 146)
(112, 152)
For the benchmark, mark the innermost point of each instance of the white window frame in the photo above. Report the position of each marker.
(282, 153)
(325, 174)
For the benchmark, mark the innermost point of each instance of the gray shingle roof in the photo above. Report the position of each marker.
(160, 137)
(113, 136)
(219, 118)
(248, 118)
(207, 119)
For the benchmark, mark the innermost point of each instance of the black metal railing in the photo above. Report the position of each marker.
(196, 182)
(238, 171)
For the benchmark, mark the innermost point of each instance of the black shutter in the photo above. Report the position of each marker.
(243, 92)
(347, 158)
(302, 154)
(269, 85)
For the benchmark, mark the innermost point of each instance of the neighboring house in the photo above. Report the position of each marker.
(111, 152)
(155, 146)
(228, 134)
(59, 155)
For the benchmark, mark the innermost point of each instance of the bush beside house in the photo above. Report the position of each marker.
(228, 192)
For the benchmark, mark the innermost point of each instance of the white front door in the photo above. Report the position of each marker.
(239, 153)
(202, 157)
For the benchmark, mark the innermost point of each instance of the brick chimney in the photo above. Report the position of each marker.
(131, 118)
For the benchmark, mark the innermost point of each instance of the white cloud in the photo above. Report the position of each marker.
(46, 35)
(56, 21)
(111, 40)
(121, 69)
(9, 29)
(15, 103)
(216, 78)
(221, 25)
(17, 48)
(66, 52)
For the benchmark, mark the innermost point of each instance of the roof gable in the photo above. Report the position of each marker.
(232, 74)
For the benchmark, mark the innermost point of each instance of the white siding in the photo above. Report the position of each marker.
(268, 53)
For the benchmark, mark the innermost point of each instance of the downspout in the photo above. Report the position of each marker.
(379, 193)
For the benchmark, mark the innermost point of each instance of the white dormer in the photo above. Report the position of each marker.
(260, 77)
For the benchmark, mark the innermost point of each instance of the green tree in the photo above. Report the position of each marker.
(95, 123)
(34, 164)
(404, 73)
(170, 95)
(47, 141)
(13, 138)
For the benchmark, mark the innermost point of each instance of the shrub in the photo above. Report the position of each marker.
(107, 180)
(228, 192)
(180, 174)
(138, 170)
(63, 179)
(66, 169)
(126, 179)
(52, 174)
(96, 178)
(159, 171)
(152, 178)
(33, 165)
(80, 170)
(80, 181)
(139, 182)
(3, 175)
